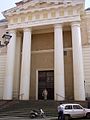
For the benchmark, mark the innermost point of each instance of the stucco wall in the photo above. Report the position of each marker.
(86, 51)
(2, 32)
(85, 27)
(86, 58)
(68, 68)
(2, 73)
(84, 35)
(43, 59)
(42, 41)
(67, 39)
(2, 62)
(88, 25)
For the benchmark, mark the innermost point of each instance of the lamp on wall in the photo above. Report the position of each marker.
(6, 39)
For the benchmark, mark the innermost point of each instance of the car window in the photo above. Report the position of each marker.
(77, 107)
(68, 107)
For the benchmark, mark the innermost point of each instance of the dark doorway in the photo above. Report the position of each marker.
(46, 80)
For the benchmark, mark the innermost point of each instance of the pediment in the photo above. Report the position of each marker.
(25, 6)
(29, 5)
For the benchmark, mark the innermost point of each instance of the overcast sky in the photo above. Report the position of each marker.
(6, 4)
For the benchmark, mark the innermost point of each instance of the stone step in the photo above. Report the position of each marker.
(22, 108)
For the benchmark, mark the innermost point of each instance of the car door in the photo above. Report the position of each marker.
(68, 110)
(78, 111)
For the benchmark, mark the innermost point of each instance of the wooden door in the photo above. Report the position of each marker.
(46, 80)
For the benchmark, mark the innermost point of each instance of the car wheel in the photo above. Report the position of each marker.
(67, 117)
(88, 115)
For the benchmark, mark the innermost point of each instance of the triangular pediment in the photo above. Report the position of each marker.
(33, 4)
(30, 5)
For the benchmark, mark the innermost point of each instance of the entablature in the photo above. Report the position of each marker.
(53, 21)
(32, 12)
(43, 14)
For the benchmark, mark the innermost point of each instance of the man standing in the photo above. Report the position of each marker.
(60, 113)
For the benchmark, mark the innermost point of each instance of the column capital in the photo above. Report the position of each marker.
(27, 29)
(77, 23)
(58, 25)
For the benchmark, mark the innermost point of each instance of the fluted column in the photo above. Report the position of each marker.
(26, 63)
(58, 63)
(8, 84)
(79, 91)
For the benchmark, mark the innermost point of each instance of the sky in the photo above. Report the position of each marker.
(6, 4)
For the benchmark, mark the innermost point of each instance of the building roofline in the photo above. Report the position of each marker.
(3, 22)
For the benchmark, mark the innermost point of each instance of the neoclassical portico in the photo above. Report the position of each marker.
(59, 82)
(35, 29)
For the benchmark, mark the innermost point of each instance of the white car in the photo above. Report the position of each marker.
(74, 111)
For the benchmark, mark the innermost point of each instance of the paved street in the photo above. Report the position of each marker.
(20, 118)
(15, 118)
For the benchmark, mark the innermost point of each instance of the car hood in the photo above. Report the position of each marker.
(87, 110)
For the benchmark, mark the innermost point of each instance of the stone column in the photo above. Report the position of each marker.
(25, 67)
(8, 84)
(79, 91)
(58, 63)
(16, 88)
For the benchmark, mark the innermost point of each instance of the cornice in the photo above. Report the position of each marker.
(38, 5)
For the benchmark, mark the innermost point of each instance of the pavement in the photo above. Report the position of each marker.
(21, 118)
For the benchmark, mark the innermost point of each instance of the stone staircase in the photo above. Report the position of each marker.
(23, 108)
(16, 108)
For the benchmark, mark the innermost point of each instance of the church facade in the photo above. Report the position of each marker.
(49, 49)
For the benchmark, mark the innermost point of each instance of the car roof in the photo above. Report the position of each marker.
(69, 104)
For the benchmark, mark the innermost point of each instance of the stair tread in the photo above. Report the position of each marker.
(22, 108)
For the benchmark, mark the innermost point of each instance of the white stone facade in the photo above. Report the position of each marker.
(35, 18)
